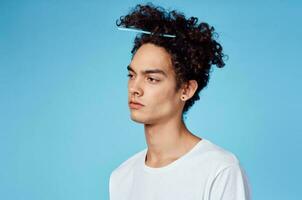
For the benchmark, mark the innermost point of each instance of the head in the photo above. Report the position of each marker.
(152, 83)
(182, 64)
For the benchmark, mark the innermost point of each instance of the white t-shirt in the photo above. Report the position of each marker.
(206, 172)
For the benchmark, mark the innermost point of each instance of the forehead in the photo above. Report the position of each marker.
(150, 56)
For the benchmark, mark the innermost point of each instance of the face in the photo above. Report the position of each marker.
(152, 84)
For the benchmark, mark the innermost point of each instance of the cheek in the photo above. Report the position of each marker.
(163, 100)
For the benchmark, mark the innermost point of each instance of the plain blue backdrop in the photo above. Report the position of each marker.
(64, 120)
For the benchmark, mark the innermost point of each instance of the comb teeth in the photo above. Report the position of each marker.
(142, 31)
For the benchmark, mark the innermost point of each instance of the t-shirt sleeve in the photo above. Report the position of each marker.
(230, 183)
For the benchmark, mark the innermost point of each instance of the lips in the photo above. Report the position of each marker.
(135, 105)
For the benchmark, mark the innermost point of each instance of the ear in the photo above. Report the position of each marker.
(188, 90)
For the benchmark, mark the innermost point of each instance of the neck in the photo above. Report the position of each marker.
(168, 140)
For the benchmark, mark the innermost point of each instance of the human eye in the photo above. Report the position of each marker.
(153, 80)
(129, 75)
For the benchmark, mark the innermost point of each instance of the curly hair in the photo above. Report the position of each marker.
(192, 51)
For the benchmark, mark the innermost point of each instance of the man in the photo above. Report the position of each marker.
(165, 76)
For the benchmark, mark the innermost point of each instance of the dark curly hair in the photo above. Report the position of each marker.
(193, 50)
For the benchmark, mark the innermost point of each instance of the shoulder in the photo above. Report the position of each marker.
(122, 175)
(215, 156)
(226, 175)
(127, 165)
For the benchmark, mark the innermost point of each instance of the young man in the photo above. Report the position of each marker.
(165, 76)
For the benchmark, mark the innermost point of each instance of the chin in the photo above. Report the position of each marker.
(138, 121)
(137, 117)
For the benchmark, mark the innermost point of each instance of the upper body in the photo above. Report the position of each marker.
(165, 78)
(206, 172)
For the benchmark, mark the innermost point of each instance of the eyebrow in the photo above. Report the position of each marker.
(149, 71)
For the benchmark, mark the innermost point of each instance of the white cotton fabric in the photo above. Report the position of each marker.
(206, 172)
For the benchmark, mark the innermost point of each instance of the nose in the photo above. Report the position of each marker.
(135, 88)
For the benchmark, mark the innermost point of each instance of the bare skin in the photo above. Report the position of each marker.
(166, 135)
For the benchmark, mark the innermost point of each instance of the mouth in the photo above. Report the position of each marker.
(134, 105)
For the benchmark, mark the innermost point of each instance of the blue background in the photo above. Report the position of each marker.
(65, 123)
